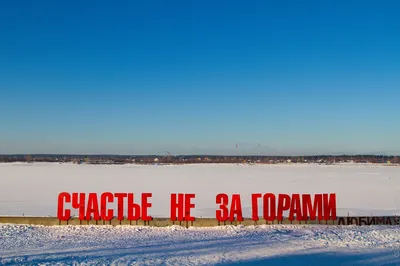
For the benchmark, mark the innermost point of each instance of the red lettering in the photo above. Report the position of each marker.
(177, 205)
(78, 202)
(269, 205)
(254, 206)
(222, 213)
(133, 208)
(189, 205)
(106, 215)
(63, 197)
(310, 209)
(120, 204)
(329, 207)
(283, 205)
(236, 208)
(295, 208)
(145, 206)
(93, 207)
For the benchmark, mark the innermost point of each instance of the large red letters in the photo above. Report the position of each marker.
(294, 207)
(93, 210)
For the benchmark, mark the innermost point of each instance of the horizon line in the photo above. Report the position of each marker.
(221, 155)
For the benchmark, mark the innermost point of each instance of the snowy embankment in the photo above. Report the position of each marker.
(254, 245)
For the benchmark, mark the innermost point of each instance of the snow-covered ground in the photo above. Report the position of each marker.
(260, 245)
(32, 189)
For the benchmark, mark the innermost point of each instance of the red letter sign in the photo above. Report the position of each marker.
(63, 197)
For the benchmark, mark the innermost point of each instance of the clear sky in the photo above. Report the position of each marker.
(200, 77)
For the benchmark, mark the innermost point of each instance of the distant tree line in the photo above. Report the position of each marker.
(189, 159)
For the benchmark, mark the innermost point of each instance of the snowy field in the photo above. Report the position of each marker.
(261, 245)
(32, 189)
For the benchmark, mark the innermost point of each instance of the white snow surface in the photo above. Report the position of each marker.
(227, 245)
(32, 189)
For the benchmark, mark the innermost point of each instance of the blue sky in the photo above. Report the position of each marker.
(199, 77)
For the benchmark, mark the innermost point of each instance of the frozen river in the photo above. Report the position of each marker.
(32, 189)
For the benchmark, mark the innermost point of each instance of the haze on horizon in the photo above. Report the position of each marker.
(187, 77)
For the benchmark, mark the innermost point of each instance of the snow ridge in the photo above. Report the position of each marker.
(175, 245)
